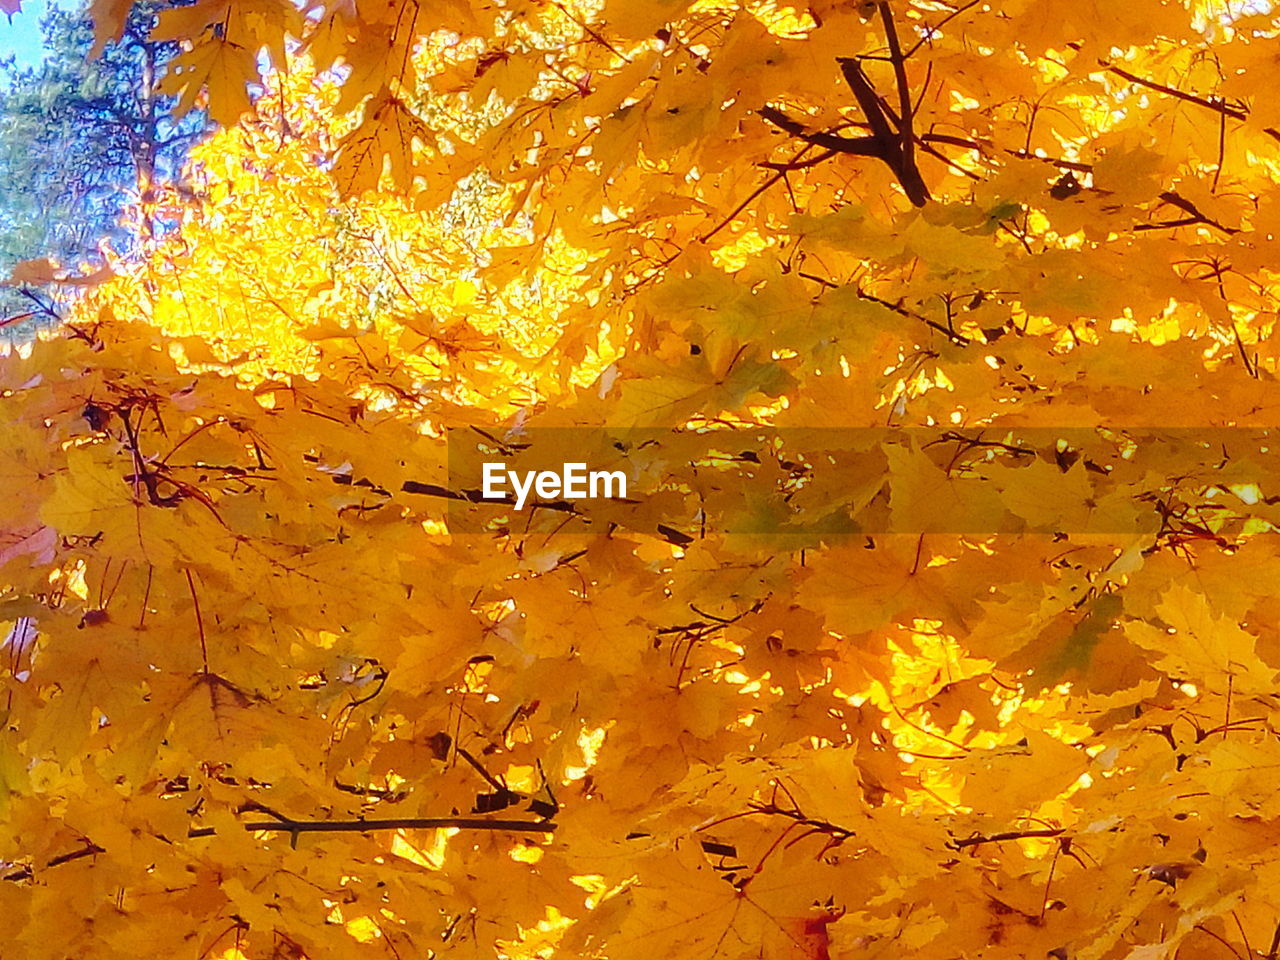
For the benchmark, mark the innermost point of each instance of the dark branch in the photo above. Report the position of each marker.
(295, 827)
(1009, 835)
(904, 90)
(890, 144)
(26, 873)
(395, 823)
(860, 146)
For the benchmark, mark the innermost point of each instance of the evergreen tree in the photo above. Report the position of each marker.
(81, 138)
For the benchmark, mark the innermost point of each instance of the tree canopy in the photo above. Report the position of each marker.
(938, 620)
(86, 144)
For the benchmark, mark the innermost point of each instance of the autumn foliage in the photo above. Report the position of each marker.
(940, 620)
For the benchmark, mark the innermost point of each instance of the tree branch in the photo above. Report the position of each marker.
(956, 338)
(26, 873)
(295, 827)
(1008, 835)
(859, 146)
(1214, 103)
(394, 823)
(904, 90)
(1217, 105)
(930, 31)
(890, 144)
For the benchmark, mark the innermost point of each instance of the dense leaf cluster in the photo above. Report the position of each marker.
(939, 620)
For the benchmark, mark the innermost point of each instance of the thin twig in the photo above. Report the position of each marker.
(1000, 837)
(204, 647)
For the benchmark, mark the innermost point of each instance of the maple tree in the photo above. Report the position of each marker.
(938, 620)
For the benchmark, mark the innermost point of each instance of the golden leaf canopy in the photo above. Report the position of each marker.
(938, 619)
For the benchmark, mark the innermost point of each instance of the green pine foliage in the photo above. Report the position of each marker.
(82, 139)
